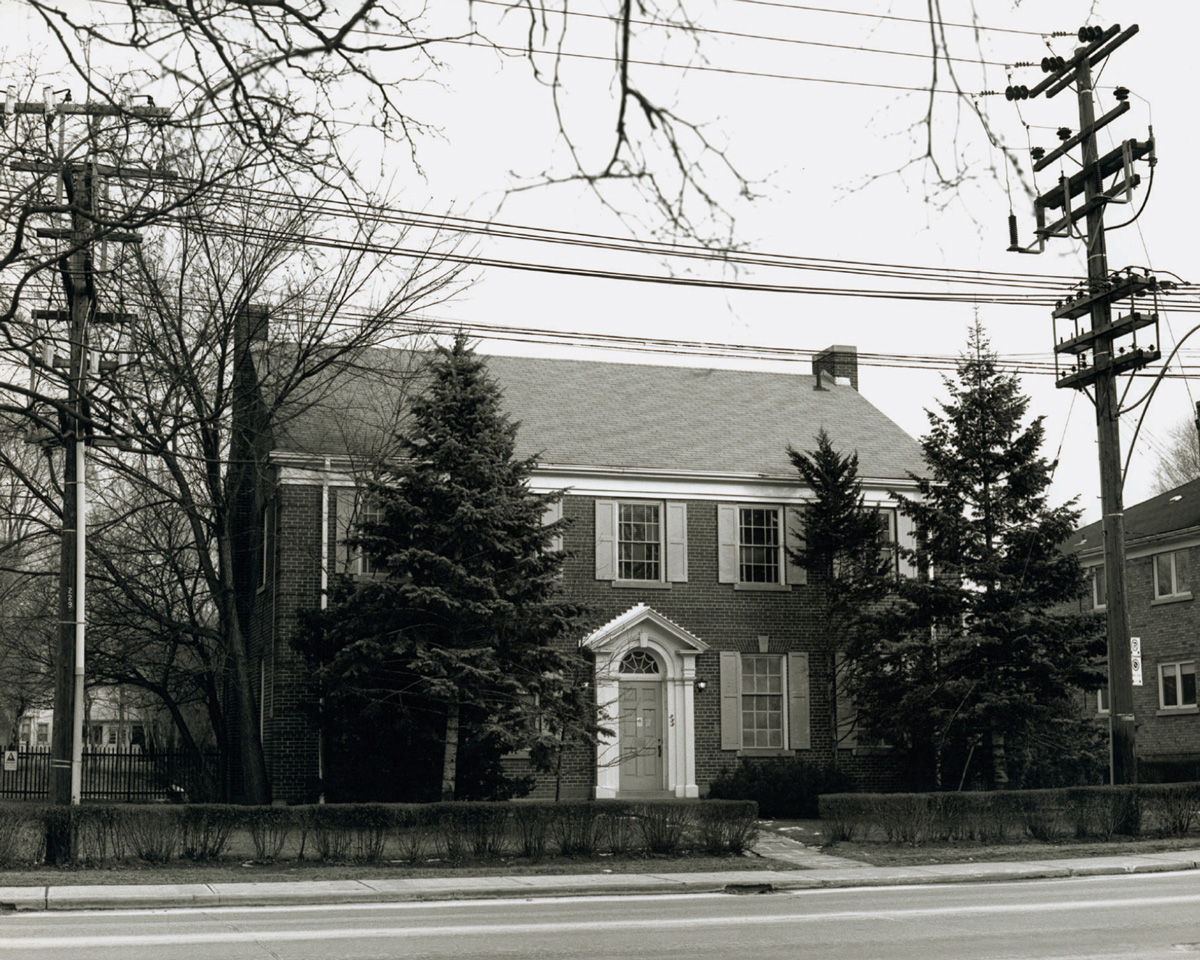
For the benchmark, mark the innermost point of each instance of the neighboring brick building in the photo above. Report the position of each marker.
(681, 496)
(1162, 569)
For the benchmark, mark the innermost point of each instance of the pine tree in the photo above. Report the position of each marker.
(981, 654)
(843, 548)
(463, 626)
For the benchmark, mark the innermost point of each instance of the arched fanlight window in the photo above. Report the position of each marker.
(638, 661)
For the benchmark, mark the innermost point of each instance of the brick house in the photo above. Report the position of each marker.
(681, 499)
(1162, 568)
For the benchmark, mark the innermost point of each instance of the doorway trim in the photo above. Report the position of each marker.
(676, 649)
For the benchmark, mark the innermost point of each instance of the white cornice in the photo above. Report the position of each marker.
(601, 481)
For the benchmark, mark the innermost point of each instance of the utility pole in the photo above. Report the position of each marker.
(79, 179)
(1098, 360)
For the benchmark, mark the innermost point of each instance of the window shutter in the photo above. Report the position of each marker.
(677, 571)
(799, 723)
(552, 515)
(727, 543)
(847, 732)
(606, 539)
(731, 701)
(905, 540)
(794, 538)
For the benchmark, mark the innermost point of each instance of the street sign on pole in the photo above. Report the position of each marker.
(1135, 652)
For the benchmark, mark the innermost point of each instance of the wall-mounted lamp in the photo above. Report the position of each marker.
(700, 686)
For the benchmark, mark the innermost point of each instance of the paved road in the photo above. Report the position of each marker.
(1148, 917)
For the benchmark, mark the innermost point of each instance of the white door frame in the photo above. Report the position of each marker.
(676, 650)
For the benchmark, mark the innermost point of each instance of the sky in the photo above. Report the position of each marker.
(818, 109)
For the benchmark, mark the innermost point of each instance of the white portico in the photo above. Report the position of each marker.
(645, 689)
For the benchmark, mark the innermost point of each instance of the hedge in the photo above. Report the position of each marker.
(375, 833)
(1166, 809)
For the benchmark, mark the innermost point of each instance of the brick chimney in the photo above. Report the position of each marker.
(835, 363)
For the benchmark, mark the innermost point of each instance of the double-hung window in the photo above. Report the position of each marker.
(764, 702)
(354, 508)
(1168, 577)
(752, 546)
(1177, 685)
(641, 542)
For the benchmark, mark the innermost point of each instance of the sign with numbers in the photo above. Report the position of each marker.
(1135, 651)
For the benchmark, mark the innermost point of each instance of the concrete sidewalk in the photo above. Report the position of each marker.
(815, 870)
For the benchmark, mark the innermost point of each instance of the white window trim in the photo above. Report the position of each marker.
(1176, 667)
(662, 541)
(672, 533)
(796, 705)
(1174, 593)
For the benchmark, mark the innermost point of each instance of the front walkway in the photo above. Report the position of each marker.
(773, 846)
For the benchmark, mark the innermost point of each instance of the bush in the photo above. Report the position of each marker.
(1173, 807)
(205, 830)
(574, 828)
(21, 834)
(782, 788)
(663, 825)
(725, 827)
(269, 828)
(153, 833)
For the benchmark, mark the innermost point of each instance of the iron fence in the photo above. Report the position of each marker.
(126, 775)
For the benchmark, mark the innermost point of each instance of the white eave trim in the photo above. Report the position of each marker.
(608, 481)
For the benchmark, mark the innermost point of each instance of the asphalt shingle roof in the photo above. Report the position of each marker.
(1169, 512)
(593, 413)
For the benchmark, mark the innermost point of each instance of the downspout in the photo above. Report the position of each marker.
(324, 605)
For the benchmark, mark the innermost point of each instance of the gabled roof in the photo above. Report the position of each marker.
(641, 613)
(1175, 511)
(599, 414)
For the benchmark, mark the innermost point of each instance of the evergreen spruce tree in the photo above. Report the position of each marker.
(459, 636)
(843, 547)
(981, 656)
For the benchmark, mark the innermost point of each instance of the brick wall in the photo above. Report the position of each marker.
(1170, 632)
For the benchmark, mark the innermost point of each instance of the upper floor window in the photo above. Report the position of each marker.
(641, 542)
(759, 545)
(1168, 577)
(1177, 685)
(353, 507)
(752, 545)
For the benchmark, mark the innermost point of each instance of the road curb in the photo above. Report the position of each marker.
(394, 890)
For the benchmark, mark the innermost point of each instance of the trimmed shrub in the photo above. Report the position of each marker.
(22, 833)
(532, 823)
(574, 828)
(724, 827)
(664, 825)
(205, 830)
(1172, 807)
(153, 833)
(782, 788)
(270, 828)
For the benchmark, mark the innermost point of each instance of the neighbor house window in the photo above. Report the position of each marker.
(759, 545)
(353, 508)
(368, 512)
(1177, 685)
(639, 541)
(43, 734)
(762, 701)
(1168, 580)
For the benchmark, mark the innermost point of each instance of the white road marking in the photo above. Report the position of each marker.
(178, 938)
